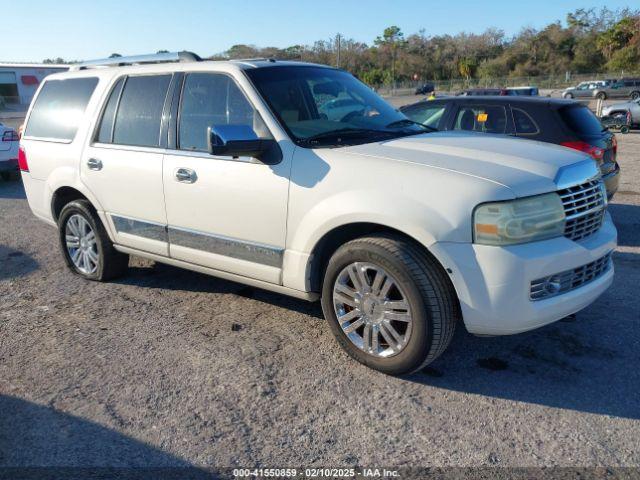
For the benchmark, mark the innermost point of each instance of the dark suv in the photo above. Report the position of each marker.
(563, 122)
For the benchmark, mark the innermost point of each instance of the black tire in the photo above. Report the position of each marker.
(568, 95)
(635, 95)
(601, 96)
(111, 263)
(429, 292)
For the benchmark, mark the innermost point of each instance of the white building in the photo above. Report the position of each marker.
(19, 82)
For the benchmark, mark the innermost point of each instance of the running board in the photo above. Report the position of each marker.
(272, 287)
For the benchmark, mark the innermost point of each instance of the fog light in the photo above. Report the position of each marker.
(552, 285)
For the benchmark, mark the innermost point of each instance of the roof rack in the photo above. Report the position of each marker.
(139, 59)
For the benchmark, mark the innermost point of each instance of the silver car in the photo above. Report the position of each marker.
(624, 88)
(583, 89)
(632, 106)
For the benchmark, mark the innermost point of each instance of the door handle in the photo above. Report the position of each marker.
(94, 164)
(185, 175)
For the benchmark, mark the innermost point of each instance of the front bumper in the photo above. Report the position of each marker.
(9, 165)
(493, 283)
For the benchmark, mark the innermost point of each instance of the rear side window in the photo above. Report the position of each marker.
(140, 111)
(59, 108)
(525, 125)
(486, 119)
(581, 121)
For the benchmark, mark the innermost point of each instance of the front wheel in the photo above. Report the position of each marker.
(85, 244)
(389, 303)
(635, 95)
(567, 95)
(601, 96)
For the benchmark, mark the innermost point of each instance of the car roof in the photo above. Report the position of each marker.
(228, 66)
(502, 100)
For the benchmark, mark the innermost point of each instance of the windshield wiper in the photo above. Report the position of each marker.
(406, 121)
(343, 132)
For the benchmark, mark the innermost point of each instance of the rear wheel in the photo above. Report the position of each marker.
(635, 95)
(389, 304)
(601, 96)
(567, 95)
(85, 244)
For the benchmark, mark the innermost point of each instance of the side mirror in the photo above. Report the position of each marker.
(237, 141)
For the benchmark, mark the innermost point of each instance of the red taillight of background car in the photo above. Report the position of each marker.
(614, 145)
(22, 160)
(596, 152)
(10, 136)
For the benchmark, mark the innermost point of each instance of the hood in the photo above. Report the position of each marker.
(525, 166)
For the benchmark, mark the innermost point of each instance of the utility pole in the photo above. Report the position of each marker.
(338, 48)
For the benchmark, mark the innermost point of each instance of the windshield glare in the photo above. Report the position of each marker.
(313, 102)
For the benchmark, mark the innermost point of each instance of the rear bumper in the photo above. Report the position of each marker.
(10, 165)
(494, 283)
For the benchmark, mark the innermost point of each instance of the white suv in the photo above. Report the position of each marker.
(232, 169)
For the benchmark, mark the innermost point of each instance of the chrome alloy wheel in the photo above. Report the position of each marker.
(372, 309)
(81, 244)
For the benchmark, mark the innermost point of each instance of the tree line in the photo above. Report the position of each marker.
(588, 41)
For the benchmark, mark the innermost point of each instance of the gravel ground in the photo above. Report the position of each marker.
(168, 367)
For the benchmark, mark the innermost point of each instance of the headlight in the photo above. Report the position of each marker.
(519, 221)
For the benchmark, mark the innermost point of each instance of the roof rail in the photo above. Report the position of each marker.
(138, 60)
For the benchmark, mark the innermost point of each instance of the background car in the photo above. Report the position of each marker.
(523, 91)
(425, 89)
(583, 89)
(8, 151)
(626, 87)
(474, 92)
(622, 108)
(563, 122)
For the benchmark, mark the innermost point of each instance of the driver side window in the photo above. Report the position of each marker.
(210, 99)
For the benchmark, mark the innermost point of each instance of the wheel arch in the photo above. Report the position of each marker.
(328, 243)
(62, 196)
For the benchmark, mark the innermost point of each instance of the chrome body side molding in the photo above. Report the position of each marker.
(229, 247)
(217, 244)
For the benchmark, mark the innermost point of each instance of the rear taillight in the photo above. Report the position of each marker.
(596, 152)
(22, 160)
(614, 145)
(10, 136)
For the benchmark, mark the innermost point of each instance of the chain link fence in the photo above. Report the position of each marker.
(546, 82)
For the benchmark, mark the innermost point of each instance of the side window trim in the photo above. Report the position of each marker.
(115, 111)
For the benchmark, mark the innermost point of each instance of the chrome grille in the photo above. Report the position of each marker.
(584, 207)
(568, 280)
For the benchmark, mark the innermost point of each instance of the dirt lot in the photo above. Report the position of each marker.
(167, 367)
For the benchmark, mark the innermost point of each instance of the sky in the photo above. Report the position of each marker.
(89, 29)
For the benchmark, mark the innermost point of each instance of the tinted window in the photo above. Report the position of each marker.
(524, 123)
(59, 108)
(140, 111)
(428, 115)
(209, 100)
(581, 121)
(487, 119)
(105, 134)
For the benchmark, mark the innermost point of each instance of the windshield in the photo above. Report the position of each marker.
(327, 107)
